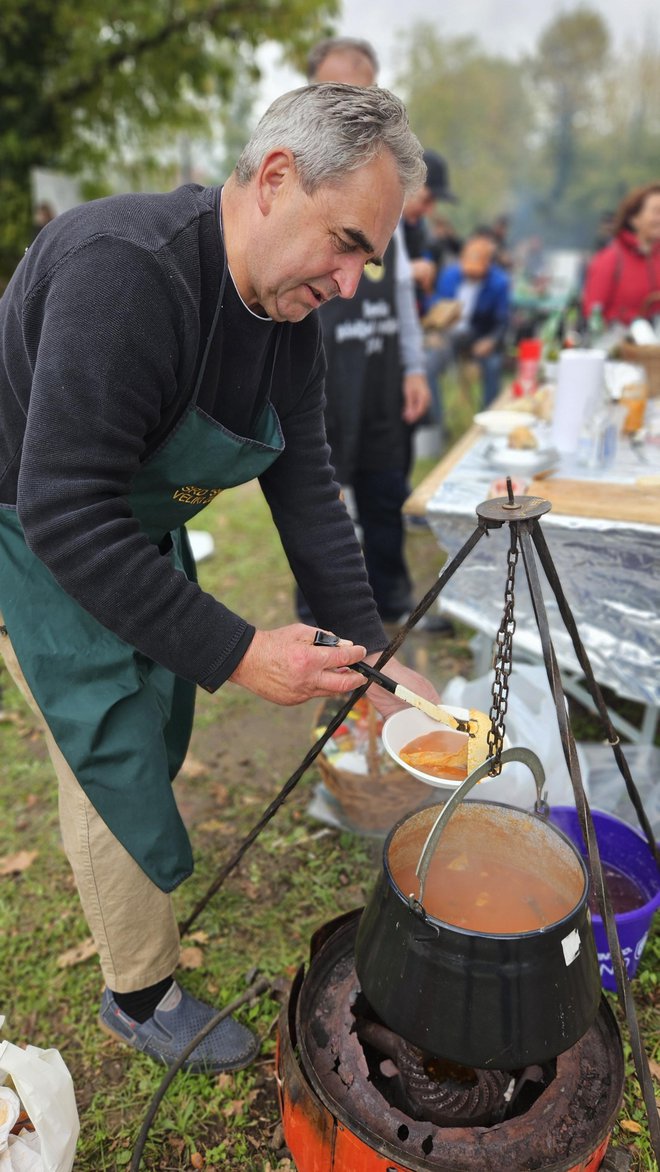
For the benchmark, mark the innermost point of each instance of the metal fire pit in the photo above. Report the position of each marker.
(338, 1117)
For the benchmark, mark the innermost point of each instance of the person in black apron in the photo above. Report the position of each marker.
(156, 351)
(376, 387)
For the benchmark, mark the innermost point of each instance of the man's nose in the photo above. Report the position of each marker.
(347, 275)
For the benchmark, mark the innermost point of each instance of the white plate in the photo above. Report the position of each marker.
(403, 726)
(531, 460)
(502, 422)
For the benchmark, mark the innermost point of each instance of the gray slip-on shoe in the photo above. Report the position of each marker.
(173, 1025)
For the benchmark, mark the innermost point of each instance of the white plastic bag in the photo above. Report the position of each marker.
(45, 1087)
(531, 723)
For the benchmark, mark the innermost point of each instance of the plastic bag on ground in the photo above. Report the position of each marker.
(44, 1086)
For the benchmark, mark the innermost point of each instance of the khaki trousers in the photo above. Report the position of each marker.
(131, 920)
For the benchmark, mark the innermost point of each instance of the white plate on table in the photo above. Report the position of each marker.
(527, 460)
(502, 422)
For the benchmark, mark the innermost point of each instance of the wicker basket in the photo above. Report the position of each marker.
(371, 802)
(648, 357)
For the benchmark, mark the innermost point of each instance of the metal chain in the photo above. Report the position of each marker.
(502, 661)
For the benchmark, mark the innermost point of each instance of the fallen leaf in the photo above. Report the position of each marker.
(217, 826)
(631, 1126)
(197, 1160)
(233, 1107)
(14, 864)
(77, 954)
(191, 958)
(654, 1067)
(224, 1081)
(7, 717)
(201, 936)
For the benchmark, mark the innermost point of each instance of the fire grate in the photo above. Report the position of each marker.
(560, 1112)
(429, 1088)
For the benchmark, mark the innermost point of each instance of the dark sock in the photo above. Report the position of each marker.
(140, 1005)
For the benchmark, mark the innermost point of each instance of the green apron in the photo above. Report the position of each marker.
(122, 721)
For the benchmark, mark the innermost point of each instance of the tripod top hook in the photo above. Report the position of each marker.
(506, 509)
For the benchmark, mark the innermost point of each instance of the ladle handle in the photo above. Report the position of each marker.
(516, 754)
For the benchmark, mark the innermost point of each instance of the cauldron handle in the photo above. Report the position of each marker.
(516, 754)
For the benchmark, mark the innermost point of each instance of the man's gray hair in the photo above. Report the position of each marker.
(333, 129)
(330, 45)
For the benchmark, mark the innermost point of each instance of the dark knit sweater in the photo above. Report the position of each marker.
(102, 329)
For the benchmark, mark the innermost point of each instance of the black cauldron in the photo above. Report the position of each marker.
(488, 1000)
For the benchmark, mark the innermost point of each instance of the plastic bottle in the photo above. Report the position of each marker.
(599, 435)
(529, 360)
(572, 339)
(596, 324)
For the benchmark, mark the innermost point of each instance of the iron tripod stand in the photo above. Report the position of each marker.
(522, 516)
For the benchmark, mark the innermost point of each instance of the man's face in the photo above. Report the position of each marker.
(477, 257)
(310, 248)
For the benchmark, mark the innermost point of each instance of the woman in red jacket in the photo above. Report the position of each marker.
(624, 277)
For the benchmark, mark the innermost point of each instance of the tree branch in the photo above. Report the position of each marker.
(137, 48)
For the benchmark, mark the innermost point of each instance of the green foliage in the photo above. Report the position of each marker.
(555, 138)
(82, 82)
(470, 106)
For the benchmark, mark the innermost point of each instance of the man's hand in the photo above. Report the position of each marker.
(483, 347)
(384, 702)
(416, 397)
(285, 667)
(424, 273)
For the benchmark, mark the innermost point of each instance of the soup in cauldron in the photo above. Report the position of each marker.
(488, 877)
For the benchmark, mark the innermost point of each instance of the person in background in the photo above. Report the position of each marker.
(376, 387)
(155, 350)
(624, 277)
(605, 230)
(43, 214)
(347, 60)
(500, 228)
(483, 290)
(444, 243)
(425, 258)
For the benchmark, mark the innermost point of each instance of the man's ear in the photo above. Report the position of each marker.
(276, 171)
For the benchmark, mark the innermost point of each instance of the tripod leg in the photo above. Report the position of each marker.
(568, 742)
(448, 572)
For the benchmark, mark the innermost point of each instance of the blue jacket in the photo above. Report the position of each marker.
(490, 316)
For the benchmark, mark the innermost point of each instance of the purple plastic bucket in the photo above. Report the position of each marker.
(626, 849)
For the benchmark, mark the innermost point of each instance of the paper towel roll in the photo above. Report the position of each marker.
(580, 378)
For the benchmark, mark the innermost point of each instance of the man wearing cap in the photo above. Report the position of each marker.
(424, 259)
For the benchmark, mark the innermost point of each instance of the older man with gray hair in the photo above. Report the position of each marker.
(154, 351)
